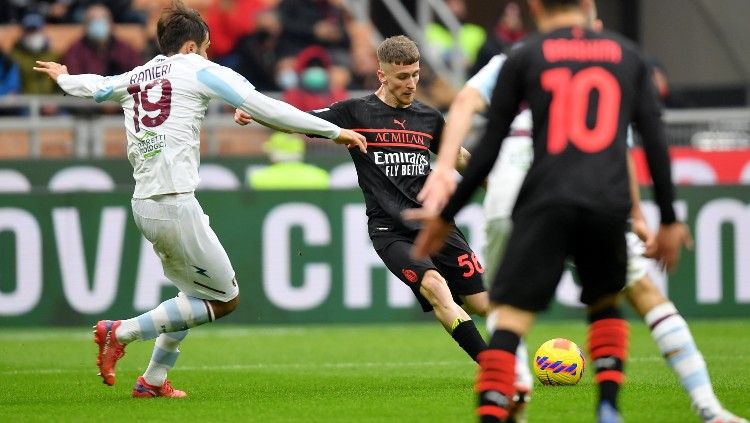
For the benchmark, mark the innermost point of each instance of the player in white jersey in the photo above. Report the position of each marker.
(164, 102)
(668, 328)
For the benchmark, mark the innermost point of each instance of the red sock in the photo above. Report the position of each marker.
(608, 346)
(495, 384)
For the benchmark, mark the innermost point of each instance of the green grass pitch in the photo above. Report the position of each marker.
(340, 373)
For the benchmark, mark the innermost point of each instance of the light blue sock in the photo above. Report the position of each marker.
(176, 314)
(166, 351)
(673, 337)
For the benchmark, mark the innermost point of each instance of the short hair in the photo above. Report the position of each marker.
(555, 4)
(178, 25)
(399, 50)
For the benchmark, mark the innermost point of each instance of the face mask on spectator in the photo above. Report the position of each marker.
(315, 78)
(287, 79)
(35, 42)
(98, 29)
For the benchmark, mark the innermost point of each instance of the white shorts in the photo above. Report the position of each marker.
(637, 263)
(190, 252)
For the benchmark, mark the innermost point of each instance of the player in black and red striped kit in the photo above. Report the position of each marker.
(400, 133)
(583, 88)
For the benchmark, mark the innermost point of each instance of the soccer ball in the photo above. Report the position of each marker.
(559, 361)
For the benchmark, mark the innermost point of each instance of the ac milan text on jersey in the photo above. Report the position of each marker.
(397, 161)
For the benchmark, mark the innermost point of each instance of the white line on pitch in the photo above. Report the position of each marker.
(259, 366)
(310, 365)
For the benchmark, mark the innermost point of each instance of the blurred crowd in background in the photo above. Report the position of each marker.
(309, 53)
(313, 51)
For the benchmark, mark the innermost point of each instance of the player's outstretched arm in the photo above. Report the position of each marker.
(227, 85)
(51, 69)
(440, 184)
(88, 85)
(672, 234)
(502, 109)
(468, 102)
(347, 137)
(241, 118)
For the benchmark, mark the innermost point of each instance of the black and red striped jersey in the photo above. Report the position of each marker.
(397, 162)
(583, 88)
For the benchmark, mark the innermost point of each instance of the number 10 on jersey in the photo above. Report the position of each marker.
(569, 108)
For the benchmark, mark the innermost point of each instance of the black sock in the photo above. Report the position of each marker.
(608, 391)
(505, 340)
(468, 337)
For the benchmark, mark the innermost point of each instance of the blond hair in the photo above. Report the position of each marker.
(399, 50)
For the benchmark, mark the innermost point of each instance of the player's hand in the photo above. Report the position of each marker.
(352, 139)
(645, 234)
(437, 189)
(669, 242)
(432, 235)
(242, 118)
(52, 69)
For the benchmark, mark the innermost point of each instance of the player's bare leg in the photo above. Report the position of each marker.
(453, 318)
(477, 303)
(676, 343)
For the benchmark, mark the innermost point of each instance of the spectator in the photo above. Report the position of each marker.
(313, 90)
(470, 36)
(661, 81)
(98, 51)
(288, 171)
(364, 70)
(228, 21)
(509, 30)
(257, 52)
(437, 92)
(10, 82)
(10, 78)
(32, 46)
(56, 11)
(510, 27)
(121, 11)
(313, 22)
(308, 22)
(364, 60)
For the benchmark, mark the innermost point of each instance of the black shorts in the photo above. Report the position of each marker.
(542, 241)
(456, 263)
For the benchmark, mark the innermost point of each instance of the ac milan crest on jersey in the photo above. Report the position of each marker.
(410, 275)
